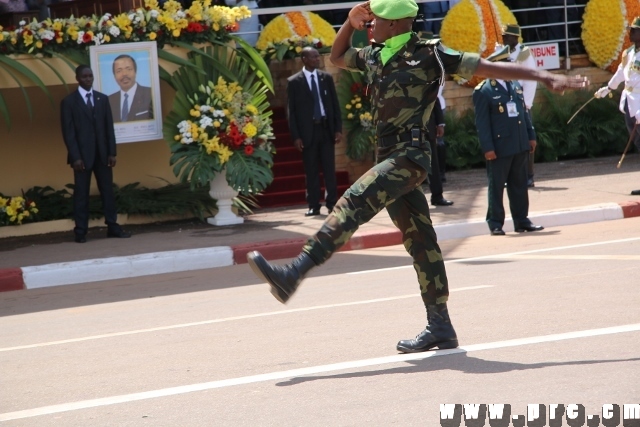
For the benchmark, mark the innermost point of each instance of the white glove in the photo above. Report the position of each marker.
(602, 92)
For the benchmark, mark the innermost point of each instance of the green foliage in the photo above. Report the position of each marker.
(598, 130)
(463, 146)
(172, 199)
(361, 141)
(246, 173)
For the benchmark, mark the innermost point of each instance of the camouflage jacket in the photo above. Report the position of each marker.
(404, 90)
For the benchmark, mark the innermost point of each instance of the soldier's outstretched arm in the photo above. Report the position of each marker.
(358, 18)
(508, 71)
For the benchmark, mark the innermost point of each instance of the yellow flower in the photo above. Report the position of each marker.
(3, 202)
(350, 116)
(348, 106)
(177, 137)
(152, 35)
(252, 109)
(176, 33)
(59, 40)
(250, 130)
(1, 37)
(39, 44)
(358, 105)
(105, 39)
(216, 124)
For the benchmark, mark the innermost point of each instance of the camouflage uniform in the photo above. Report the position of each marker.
(403, 93)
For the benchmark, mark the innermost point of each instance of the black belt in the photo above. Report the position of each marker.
(388, 141)
(321, 121)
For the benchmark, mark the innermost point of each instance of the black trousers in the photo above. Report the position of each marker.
(435, 177)
(511, 170)
(82, 181)
(317, 153)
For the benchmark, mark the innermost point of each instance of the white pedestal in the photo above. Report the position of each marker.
(224, 194)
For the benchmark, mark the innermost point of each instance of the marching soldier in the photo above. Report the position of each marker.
(404, 74)
(507, 139)
(628, 72)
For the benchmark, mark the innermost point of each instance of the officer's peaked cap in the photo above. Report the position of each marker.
(501, 54)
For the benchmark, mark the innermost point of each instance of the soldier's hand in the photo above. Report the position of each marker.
(360, 15)
(440, 131)
(338, 138)
(560, 83)
(111, 161)
(490, 155)
(602, 92)
(532, 145)
(298, 144)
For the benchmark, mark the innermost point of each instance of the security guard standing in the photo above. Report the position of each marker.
(404, 74)
(507, 138)
(628, 72)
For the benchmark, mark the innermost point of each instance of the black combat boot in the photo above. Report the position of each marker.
(438, 333)
(284, 280)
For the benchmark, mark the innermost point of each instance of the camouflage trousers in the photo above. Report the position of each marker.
(394, 183)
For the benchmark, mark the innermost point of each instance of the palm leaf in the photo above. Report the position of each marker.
(24, 91)
(56, 72)
(163, 54)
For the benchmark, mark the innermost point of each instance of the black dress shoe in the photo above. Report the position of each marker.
(497, 232)
(529, 228)
(284, 280)
(312, 212)
(438, 333)
(441, 202)
(80, 238)
(120, 234)
(530, 183)
(635, 193)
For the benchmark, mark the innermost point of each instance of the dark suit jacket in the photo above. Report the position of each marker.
(140, 108)
(300, 105)
(87, 135)
(496, 130)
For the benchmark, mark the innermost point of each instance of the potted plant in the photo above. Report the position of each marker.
(219, 129)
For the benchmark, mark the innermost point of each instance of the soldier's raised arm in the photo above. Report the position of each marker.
(359, 15)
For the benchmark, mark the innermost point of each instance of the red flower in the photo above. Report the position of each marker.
(319, 44)
(86, 38)
(356, 88)
(248, 150)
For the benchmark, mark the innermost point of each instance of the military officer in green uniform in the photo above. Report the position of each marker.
(506, 137)
(404, 73)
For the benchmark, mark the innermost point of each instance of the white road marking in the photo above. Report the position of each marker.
(510, 255)
(227, 319)
(312, 370)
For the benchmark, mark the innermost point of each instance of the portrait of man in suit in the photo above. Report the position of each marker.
(88, 133)
(315, 125)
(133, 101)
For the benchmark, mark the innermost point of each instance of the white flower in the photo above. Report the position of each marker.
(80, 36)
(218, 113)
(180, 14)
(205, 108)
(47, 35)
(114, 31)
(205, 122)
(22, 23)
(154, 13)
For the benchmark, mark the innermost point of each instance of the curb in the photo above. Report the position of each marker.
(68, 273)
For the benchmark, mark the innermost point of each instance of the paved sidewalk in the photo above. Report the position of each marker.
(570, 192)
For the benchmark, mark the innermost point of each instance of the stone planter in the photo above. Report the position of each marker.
(223, 193)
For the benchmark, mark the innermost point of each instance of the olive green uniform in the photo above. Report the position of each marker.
(403, 93)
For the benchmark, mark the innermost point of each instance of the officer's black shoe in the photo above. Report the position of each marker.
(497, 232)
(530, 183)
(284, 280)
(529, 228)
(635, 193)
(438, 333)
(441, 202)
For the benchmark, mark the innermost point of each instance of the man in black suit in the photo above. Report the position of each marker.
(435, 129)
(316, 126)
(87, 130)
(133, 101)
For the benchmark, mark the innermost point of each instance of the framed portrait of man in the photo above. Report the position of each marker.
(128, 75)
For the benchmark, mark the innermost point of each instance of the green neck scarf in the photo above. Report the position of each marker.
(393, 45)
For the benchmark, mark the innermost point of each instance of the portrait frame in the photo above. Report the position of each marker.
(142, 119)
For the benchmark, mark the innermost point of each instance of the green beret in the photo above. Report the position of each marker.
(501, 54)
(394, 9)
(511, 30)
(635, 23)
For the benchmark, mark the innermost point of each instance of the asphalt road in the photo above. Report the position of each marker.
(544, 318)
